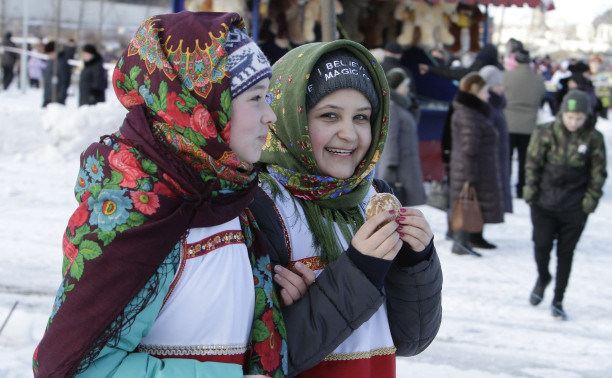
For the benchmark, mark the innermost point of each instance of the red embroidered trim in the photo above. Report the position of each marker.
(200, 248)
(314, 263)
(213, 242)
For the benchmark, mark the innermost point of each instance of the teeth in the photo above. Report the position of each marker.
(339, 152)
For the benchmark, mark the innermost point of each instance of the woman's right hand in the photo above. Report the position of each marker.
(294, 284)
(383, 242)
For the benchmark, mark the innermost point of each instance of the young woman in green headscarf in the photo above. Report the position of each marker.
(378, 282)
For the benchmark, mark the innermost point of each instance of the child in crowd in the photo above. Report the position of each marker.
(565, 174)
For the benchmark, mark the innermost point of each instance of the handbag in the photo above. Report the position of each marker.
(438, 196)
(467, 215)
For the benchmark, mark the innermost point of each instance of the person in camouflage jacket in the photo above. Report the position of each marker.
(565, 173)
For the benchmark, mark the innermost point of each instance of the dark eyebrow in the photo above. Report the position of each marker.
(332, 106)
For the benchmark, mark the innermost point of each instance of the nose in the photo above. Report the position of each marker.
(347, 131)
(268, 116)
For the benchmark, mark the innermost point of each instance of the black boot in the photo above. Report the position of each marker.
(557, 311)
(477, 241)
(537, 294)
(461, 245)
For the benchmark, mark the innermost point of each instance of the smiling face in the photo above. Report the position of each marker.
(251, 118)
(340, 132)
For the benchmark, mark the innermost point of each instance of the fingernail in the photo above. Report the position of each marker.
(401, 219)
(403, 210)
(400, 228)
(401, 235)
(299, 264)
(392, 212)
(278, 277)
(278, 268)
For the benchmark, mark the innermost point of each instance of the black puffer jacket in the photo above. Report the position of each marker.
(325, 316)
(475, 156)
(92, 82)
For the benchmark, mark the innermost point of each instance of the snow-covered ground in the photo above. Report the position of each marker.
(488, 328)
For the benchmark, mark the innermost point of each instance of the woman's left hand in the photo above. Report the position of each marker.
(414, 228)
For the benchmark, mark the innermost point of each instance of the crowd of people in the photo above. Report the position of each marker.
(561, 165)
(233, 197)
(51, 67)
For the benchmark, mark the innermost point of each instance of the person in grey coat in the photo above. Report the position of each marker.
(399, 163)
(474, 154)
(93, 80)
(63, 76)
(524, 91)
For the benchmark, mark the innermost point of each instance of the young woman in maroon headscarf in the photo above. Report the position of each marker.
(165, 270)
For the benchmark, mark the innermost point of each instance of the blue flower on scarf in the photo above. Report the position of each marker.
(339, 192)
(264, 275)
(109, 209)
(146, 94)
(58, 300)
(280, 178)
(94, 168)
(284, 354)
(83, 182)
(324, 178)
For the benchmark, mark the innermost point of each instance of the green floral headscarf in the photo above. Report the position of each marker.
(288, 151)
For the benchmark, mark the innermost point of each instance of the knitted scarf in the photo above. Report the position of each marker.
(169, 168)
(288, 151)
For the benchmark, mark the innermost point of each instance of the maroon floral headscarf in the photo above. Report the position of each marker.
(168, 168)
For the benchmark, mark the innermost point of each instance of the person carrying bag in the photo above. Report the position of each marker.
(466, 215)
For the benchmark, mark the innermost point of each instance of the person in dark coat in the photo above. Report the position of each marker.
(377, 290)
(566, 171)
(393, 59)
(474, 154)
(8, 61)
(497, 102)
(485, 57)
(399, 163)
(93, 79)
(63, 76)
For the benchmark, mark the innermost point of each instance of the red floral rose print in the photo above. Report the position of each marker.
(131, 99)
(124, 162)
(70, 250)
(266, 349)
(173, 115)
(202, 122)
(78, 217)
(225, 134)
(146, 203)
(162, 188)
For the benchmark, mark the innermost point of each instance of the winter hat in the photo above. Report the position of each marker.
(492, 75)
(521, 56)
(576, 101)
(246, 63)
(465, 85)
(513, 45)
(395, 77)
(393, 47)
(579, 67)
(339, 69)
(89, 48)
